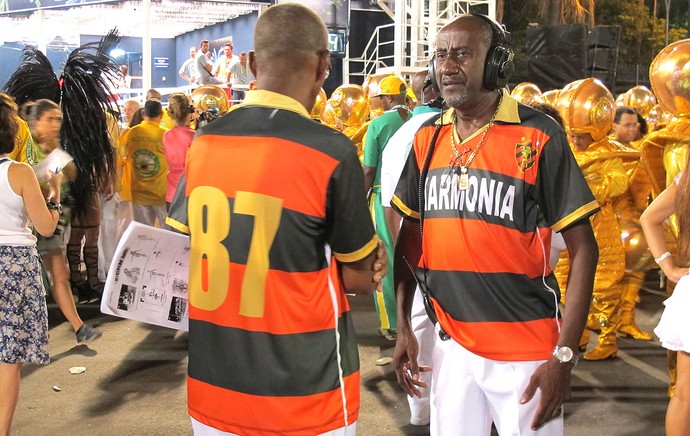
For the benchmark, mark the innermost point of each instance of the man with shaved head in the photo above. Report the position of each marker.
(490, 179)
(279, 232)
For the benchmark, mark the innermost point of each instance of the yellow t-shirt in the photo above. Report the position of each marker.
(25, 149)
(144, 165)
(166, 121)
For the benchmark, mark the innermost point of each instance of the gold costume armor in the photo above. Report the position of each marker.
(210, 102)
(319, 106)
(664, 152)
(371, 89)
(347, 111)
(586, 107)
(658, 118)
(551, 97)
(527, 93)
(639, 98)
(638, 259)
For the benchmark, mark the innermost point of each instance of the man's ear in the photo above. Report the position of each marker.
(252, 62)
(323, 69)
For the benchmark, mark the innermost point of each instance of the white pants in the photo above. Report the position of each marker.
(468, 392)
(423, 330)
(115, 217)
(200, 429)
(149, 214)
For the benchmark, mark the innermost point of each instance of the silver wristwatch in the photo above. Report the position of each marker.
(565, 354)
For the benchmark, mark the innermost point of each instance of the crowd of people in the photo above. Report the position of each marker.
(452, 208)
(229, 70)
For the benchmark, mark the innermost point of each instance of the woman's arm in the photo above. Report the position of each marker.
(652, 222)
(24, 182)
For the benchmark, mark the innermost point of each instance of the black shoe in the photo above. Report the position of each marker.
(85, 293)
(86, 334)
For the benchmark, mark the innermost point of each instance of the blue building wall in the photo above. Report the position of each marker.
(11, 56)
(171, 52)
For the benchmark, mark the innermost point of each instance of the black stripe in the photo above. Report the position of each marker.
(495, 297)
(296, 230)
(255, 121)
(488, 199)
(260, 363)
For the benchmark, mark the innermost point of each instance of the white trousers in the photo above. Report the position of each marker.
(149, 214)
(115, 217)
(200, 429)
(469, 392)
(423, 330)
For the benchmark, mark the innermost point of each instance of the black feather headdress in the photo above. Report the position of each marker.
(84, 93)
(34, 79)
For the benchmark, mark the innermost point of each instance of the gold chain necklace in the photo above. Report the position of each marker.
(464, 178)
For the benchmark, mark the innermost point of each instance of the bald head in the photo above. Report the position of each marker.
(153, 94)
(417, 83)
(473, 22)
(287, 37)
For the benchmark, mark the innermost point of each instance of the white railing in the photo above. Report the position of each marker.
(416, 24)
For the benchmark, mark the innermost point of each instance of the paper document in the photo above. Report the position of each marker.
(54, 162)
(148, 279)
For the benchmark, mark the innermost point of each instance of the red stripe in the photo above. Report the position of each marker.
(264, 163)
(288, 296)
(532, 340)
(523, 255)
(253, 415)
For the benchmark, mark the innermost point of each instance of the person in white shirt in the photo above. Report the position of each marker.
(224, 64)
(204, 75)
(188, 68)
(240, 76)
(392, 161)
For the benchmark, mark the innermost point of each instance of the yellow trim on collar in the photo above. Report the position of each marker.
(260, 97)
(507, 113)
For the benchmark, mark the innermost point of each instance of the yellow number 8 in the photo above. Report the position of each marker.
(207, 237)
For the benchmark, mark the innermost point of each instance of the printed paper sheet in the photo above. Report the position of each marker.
(149, 277)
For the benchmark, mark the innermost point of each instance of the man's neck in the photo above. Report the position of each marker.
(478, 114)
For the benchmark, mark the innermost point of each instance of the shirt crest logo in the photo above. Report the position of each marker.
(525, 154)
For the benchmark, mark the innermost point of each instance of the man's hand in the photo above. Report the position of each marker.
(553, 380)
(405, 363)
(380, 266)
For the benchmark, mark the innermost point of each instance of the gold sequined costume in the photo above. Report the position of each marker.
(586, 107)
(347, 111)
(664, 152)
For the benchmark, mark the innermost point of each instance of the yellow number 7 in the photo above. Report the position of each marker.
(208, 287)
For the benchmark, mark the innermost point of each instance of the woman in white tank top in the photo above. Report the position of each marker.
(23, 313)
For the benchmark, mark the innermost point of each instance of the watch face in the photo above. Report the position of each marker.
(564, 354)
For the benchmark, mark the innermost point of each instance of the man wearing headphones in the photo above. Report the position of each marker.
(490, 179)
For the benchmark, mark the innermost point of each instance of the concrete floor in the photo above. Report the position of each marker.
(134, 383)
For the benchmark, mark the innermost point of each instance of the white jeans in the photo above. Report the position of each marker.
(115, 217)
(200, 429)
(423, 330)
(468, 392)
(149, 214)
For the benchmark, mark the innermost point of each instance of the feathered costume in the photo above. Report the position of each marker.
(83, 92)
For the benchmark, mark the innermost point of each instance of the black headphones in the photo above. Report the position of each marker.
(498, 65)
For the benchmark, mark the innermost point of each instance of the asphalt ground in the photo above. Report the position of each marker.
(134, 382)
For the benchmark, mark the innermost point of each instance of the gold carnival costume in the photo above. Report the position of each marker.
(639, 98)
(210, 102)
(629, 207)
(347, 111)
(664, 152)
(586, 107)
(527, 93)
(319, 106)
